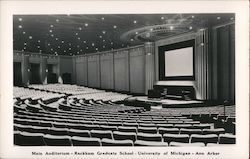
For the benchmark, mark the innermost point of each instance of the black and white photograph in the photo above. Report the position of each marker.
(145, 83)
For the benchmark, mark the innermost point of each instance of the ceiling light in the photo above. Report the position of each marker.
(39, 41)
(104, 32)
(20, 19)
(62, 41)
(190, 28)
(76, 33)
(50, 31)
(24, 32)
(100, 36)
(218, 18)
(202, 44)
(55, 52)
(48, 44)
(111, 43)
(192, 16)
(64, 51)
(56, 38)
(25, 43)
(51, 49)
(58, 47)
(102, 18)
(69, 44)
(84, 41)
(51, 26)
(162, 18)
(38, 47)
(52, 35)
(103, 46)
(77, 52)
(80, 28)
(24, 48)
(57, 20)
(151, 29)
(87, 48)
(103, 40)
(135, 21)
(86, 24)
(93, 44)
(114, 26)
(69, 48)
(232, 18)
(171, 27)
(136, 33)
(20, 26)
(96, 48)
(78, 38)
(30, 37)
(131, 39)
(78, 46)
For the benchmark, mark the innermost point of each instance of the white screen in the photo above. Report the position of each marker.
(179, 62)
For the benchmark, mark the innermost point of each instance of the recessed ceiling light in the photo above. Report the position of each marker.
(24, 48)
(78, 46)
(103, 40)
(96, 48)
(202, 44)
(192, 16)
(50, 31)
(62, 41)
(104, 32)
(171, 27)
(38, 47)
(20, 19)
(24, 32)
(69, 44)
(69, 48)
(48, 44)
(58, 47)
(30, 37)
(64, 51)
(87, 48)
(52, 35)
(76, 33)
(79, 38)
(84, 41)
(93, 44)
(80, 28)
(86, 24)
(136, 33)
(131, 39)
(114, 26)
(51, 49)
(77, 52)
(51, 26)
(39, 41)
(20, 26)
(232, 18)
(111, 43)
(190, 27)
(135, 21)
(103, 46)
(57, 20)
(56, 38)
(25, 43)
(151, 29)
(102, 18)
(218, 18)
(100, 36)
(55, 52)
(162, 18)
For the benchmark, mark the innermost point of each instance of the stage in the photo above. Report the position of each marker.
(168, 103)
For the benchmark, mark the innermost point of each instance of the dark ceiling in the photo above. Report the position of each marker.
(91, 33)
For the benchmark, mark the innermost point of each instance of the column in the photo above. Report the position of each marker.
(25, 69)
(43, 70)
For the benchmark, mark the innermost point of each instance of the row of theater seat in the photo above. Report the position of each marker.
(98, 138)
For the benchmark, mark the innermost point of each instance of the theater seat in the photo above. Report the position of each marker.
(227, 139)
(101, 134)
(53, 140)
(149, 143)
(85, 141)
(184, 138)
(124, 135)
(152, 130)
(209, 138)
(181, 144)
(149, 137)
(28, 139)
(80, 133)
(168, 130)
(127, 129)
(110, 142)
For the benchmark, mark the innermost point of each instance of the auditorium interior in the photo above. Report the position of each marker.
(124, 80)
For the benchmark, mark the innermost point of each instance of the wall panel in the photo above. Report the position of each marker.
(94, 71)
(137, 70)
(121, 70)
(107, 71)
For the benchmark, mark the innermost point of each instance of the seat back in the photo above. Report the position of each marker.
(85, 141)
(209, 138)
(80, 133)
(127, 129)
(109, 142)
(28, 139)
(152, 130)
(149, 137)
(168, 130)
(227, 139)
(124, 135)
(183, 138)
(149, 143)
(53, 140)
(101, 134)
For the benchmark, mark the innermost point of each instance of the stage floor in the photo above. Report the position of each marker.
(165, 101)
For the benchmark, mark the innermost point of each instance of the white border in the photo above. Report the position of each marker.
(8, 8)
